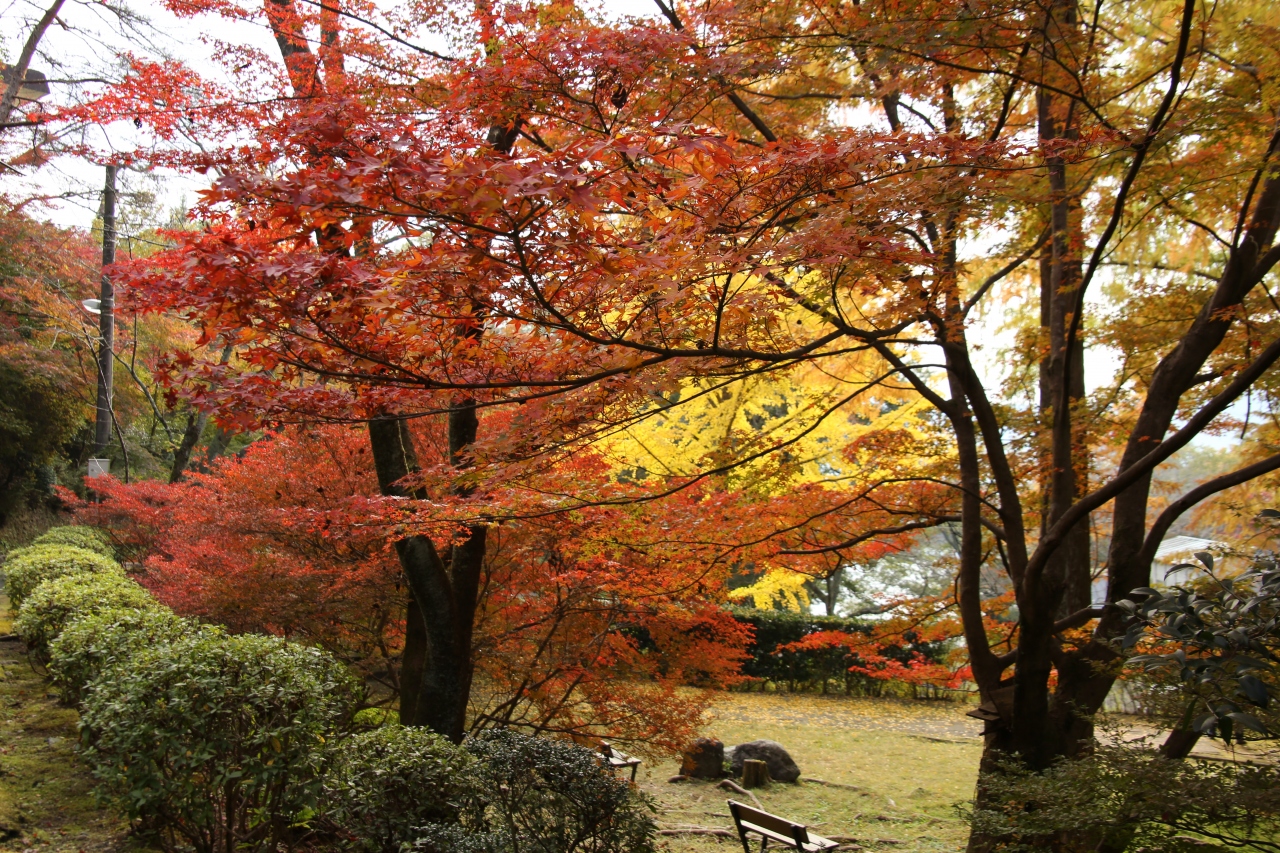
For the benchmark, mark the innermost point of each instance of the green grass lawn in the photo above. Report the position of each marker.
(900, 766)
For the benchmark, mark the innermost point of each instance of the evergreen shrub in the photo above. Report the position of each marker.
(216, 743)
(55, 604)
(27, 568)
(93, 645)
(384, 783)
(78, 536)
(537, 795)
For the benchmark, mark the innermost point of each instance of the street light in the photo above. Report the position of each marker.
(34, 86)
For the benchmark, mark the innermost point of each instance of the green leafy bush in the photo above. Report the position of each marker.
(78, 536)
(384, 783)
(537, 795)
(1217, 666)
(214, 742)
(57, 603)
(92, 645)
(27, 568)
(1129, 798)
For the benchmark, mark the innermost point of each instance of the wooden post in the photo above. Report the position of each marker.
(755, 773)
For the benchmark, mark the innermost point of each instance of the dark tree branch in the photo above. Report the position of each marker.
(1207, 489)
(1130, 475)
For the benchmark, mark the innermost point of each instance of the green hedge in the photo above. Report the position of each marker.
(94, 644)
(215, 743)
(89, 538)
(810, 670)
(537, 795)
(383, 784)
(210, 742)
(27, 568)
(55, 604)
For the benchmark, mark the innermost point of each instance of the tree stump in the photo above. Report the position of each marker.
(755, 773)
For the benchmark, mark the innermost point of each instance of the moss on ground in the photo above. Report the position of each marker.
(46, 794)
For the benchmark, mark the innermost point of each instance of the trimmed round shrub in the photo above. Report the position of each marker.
(27, 568)
(88, 538)
(216, 742)
(57, 603)
(384, 783)
(92, 645)
(538, 795)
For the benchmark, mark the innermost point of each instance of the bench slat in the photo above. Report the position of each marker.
(775, 828)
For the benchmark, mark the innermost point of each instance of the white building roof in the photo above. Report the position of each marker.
(1183, 546)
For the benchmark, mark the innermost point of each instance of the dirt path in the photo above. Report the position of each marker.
(46, 795)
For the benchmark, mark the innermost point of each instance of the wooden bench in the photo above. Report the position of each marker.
(773, 828)
(616, 758)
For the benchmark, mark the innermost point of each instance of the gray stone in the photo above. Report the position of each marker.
(703, 759)
(782, 768)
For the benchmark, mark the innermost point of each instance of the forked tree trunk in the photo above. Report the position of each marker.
(437, 665)
(1039, 723)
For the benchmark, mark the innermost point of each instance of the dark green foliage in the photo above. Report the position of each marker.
(1225, 669)
(803, 670)
(774, 628)
(216, 743)
(1131, 797)
(57, 603)
(383, 783)
(40, 410)
(27, 568)
(93, 645)
(89, 538)
(535, 795)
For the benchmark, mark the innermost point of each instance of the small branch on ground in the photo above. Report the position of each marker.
(730, 785)
(831, 784)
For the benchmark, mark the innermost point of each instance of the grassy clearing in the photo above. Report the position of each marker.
(905, 765)
(46, 794)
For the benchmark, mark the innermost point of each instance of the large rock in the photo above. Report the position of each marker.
(781, 766)
(704, 759)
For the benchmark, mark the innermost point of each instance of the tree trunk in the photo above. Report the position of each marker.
(437, 666)
(106, 321)
(196, 423)
(412, 659)
(182, 454)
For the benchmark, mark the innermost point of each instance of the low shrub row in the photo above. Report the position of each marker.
(55, 555)
(212, 742)
(810, 669)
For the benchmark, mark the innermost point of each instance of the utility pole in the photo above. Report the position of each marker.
(106, 319)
